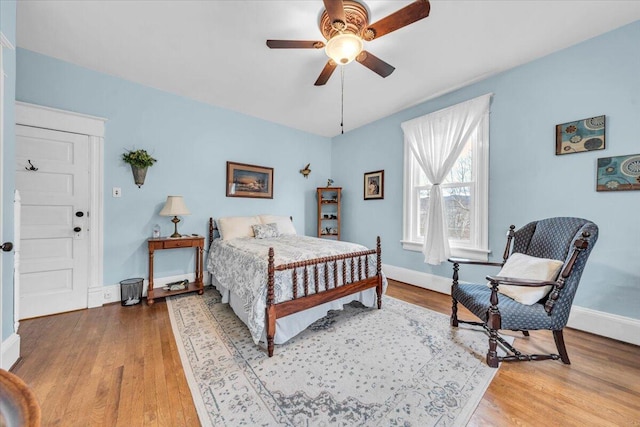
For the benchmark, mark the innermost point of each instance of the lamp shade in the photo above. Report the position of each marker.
(174, 206)
(344, 48)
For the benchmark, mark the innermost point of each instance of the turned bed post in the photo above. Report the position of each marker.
(270, 311)
(211, 229)
(379, 271)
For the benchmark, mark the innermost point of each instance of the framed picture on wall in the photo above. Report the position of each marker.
(581, 135)
(249, 181)
(619, 173)
(374, 185)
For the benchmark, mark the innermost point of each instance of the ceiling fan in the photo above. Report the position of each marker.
(345, 26)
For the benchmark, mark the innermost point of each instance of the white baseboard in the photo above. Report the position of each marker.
(10, 351)
(100, 295)
(605, 324)
(95, 296)
(418, 278)
(608, 325)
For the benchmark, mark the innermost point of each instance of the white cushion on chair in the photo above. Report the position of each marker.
(521, 266)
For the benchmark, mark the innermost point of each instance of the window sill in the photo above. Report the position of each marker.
(458, 252)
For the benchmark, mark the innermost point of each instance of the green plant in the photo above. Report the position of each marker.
(138, 158)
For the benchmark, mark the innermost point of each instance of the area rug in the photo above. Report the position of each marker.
(402, 365)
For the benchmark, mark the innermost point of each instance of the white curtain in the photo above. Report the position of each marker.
(436, 140)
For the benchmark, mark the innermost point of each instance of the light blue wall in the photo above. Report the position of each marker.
(8, 28)
(527, 180)
(192, 142)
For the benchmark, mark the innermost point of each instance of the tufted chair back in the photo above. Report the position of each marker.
(553, 238)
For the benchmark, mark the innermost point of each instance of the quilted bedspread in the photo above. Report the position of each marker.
(240, 265)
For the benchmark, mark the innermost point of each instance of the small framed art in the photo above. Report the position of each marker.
(619, 173)
(374, 185)
(581, 135)
(249, 181)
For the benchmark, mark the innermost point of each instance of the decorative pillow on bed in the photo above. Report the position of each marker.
(521, 266)
(284, 223)
(265, 231)
(232, 227)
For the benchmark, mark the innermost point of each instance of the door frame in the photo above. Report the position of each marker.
(9, 348)
(94, 127)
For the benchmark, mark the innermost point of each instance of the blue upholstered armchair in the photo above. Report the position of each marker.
(555, 247)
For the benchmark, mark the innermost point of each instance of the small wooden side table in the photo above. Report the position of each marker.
(176, 243)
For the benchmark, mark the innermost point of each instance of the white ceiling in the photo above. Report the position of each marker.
(215, 51)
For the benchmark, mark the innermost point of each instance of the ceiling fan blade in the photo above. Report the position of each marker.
(335, 10)
(375, 64)
(295, 44)
(416, 11)
(326, 72)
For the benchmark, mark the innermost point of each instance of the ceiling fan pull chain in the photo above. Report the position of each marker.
(342, 99)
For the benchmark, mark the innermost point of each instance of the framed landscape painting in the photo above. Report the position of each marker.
(581, 135)
(249, 181)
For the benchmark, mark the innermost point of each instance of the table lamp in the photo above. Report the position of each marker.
(173, 207)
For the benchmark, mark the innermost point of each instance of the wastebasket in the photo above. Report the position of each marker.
(131, 291)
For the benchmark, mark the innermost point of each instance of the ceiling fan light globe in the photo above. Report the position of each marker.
(344, 48)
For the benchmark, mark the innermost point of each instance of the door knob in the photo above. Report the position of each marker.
(7, 246)
(77, 229)
(79, 214)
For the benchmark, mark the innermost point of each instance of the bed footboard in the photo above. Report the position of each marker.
(348, 274)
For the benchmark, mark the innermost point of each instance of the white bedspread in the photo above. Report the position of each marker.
(240, 265)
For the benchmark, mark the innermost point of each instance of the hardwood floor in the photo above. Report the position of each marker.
(119, 366)
(601, 387)
(107, 366)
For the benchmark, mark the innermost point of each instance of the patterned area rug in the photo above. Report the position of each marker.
(402, 365)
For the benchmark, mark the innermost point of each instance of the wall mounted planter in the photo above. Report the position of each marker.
(139, 174)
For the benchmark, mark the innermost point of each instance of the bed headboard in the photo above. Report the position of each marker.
(212, 230)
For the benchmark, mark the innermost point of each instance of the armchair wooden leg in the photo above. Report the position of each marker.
(454, 312)
(492, 354)
(454, 302)
(494, 323)
(562, 350)
(525, 333)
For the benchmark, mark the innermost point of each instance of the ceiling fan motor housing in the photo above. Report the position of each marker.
(356, 15)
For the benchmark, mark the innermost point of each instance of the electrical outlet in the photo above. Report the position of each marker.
(116, 192)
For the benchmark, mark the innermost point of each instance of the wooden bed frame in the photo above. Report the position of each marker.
(352, 283)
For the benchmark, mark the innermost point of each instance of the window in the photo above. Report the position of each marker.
(465, 194)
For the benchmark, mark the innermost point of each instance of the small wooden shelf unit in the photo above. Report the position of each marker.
(329, 216)
(176, 243)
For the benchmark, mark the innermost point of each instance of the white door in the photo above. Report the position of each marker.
(52, 175)
(2, 45)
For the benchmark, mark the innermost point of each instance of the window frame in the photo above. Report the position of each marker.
(478, 247)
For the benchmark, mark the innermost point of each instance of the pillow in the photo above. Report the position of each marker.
(521, 266)
(265, 231)
(284, 223)
(232, 227)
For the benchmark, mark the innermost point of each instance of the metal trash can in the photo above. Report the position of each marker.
(131, 291)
